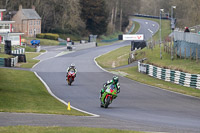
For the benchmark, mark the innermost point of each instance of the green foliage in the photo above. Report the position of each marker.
(50, 36)
(111, 36)
(71, 36)
(42, 35)
(95, 16)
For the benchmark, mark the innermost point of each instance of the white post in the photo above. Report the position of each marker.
(161, 10)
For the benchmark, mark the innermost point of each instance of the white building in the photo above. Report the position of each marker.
(6, 31)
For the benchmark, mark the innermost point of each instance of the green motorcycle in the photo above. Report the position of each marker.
(108, 96)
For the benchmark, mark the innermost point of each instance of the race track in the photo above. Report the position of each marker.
(138, 106)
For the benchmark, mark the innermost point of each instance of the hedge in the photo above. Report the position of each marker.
(48, 36)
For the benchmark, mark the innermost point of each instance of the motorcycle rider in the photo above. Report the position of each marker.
(114, 81)
(71, 67)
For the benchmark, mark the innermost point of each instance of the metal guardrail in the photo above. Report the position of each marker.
(150, 16)
(177, 77)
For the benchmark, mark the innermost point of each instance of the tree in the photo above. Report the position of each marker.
(95, 16)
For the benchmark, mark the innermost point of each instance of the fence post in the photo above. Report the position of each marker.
(196, 55)
(172, 51)
(190, 54)
(185, 53)
(167, 47)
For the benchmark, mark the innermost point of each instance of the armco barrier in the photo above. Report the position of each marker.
(177, 77)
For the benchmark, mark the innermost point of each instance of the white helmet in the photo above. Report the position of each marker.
(72, 65)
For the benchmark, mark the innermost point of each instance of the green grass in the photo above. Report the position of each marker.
(136, 28)
(5, 55)
(30, 62)
(118, 57)
(111, 36)
(22, 91)
(29, 49)
(46, 42)
(153, 56)
(36, 129)
(2, 48)
(103, 44)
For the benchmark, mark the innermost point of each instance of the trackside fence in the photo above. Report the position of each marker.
(177, 77)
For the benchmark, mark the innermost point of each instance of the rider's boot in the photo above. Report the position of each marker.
(100, 94)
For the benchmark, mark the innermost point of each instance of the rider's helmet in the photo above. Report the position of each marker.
(72, 65)
(115, 79)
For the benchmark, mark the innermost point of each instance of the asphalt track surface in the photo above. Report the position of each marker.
(137, 107)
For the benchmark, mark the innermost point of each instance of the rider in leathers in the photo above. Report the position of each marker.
(72, 66)
(114, 81)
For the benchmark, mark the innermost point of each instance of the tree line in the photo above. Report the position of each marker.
(102, 16)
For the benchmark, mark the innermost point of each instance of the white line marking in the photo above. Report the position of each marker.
(49, 90)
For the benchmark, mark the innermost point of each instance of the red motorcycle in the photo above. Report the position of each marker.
(70, 77)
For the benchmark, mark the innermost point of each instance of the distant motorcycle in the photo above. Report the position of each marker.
(108, 96)
(70, 77)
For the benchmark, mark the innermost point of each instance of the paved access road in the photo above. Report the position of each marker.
(138, 106)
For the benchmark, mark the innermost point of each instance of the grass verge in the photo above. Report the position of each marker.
(136, 28)
(5, 55)
(36, 129)
(30, 61)
(118, 57)
(22, 91)
(46, 42)
(132, 73)
(153, 56)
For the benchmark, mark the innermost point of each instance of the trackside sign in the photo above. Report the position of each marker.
(135, 37)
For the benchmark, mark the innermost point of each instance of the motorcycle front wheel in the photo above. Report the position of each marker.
(69, 81)
(107, 101)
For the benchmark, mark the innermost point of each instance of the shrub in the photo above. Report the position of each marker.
(48, 36)
(40, 35)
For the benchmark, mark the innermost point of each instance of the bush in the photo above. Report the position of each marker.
(40, 35)
(48, 36)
